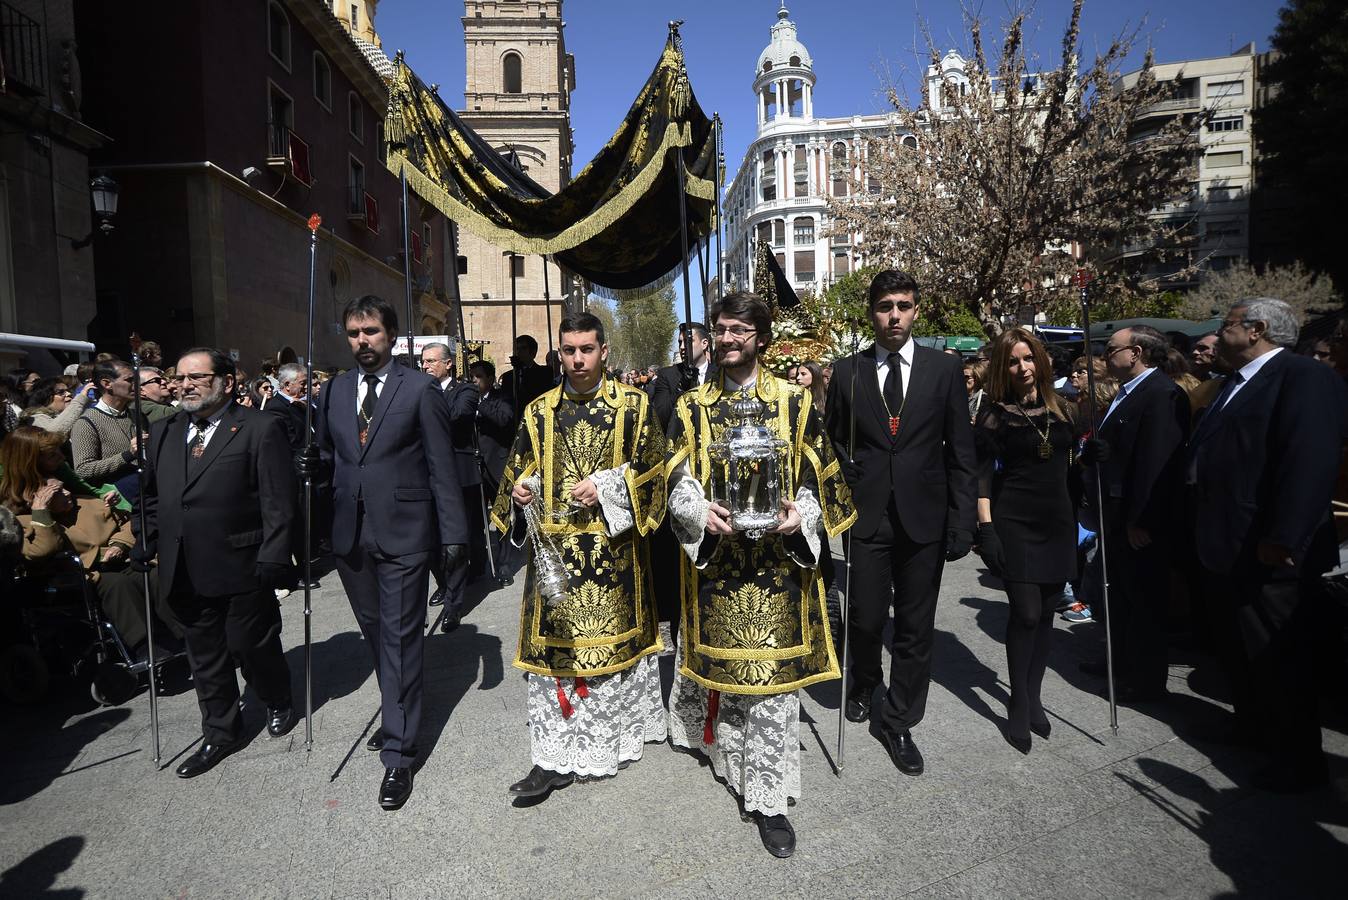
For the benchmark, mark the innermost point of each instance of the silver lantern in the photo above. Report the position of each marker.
(746, 469)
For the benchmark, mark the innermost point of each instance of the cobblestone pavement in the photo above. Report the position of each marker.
(1156, 811)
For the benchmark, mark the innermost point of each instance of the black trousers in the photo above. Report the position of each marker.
(476, 563)
(1265, 623)
(388, 596)
(220, 632)
(890, 559)
(1029, 633)
(1139, 605)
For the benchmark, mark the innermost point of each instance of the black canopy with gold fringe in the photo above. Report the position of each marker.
(616, 223)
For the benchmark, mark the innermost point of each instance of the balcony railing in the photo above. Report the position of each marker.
(278, 140)
(21, 45)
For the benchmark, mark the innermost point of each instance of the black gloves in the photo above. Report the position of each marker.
(1095, 451)
(141, 559)
(274, 576)
(307, 462)
(958, 543)
(455, 555)
(851, 472)
(990, 549)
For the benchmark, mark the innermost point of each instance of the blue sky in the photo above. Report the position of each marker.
(853, 43)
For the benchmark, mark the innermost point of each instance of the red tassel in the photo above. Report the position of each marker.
(582, 690)
(564, 703)
(713, 708)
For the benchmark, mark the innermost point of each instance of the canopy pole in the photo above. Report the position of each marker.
(407, 270)
(308, 563)
(142, 538)
(720, 186)
(687, 333)
(547, 304)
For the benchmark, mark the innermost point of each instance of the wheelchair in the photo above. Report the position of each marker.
(53, 626)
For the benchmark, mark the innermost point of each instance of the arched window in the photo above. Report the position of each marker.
(767, 65)
(839, 174)
(803, 230)
(795, 61)
(322, 81)
(511, 77)
(278, 34)
(910, 142)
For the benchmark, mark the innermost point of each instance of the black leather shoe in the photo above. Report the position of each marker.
(779, 838)
(280, 721)
(376, 741)
(205, 759)
(538, 782)
(438, 598)
(903, 751)
(1020, 743)
(506, 580)
(1043, 729)
(395, 788)
(450, 621)
(859, 706)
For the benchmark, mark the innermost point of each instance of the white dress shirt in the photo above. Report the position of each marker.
(362, 387)
(209, 430)
(1125, 391)
(905, 366)
(1248, 371)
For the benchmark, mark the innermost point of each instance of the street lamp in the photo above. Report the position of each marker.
(103, 191)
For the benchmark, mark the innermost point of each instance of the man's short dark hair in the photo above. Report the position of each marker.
(1152, 343)
(528, 343)
(699, 330)
(375, 308)
(749, 308)
(108, 370)
(221, 362)
(483, 367)
(890, 281)
(579, 322)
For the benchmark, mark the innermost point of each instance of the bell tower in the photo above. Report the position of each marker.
(517, 96)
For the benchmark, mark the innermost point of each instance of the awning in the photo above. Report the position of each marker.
(616, 223)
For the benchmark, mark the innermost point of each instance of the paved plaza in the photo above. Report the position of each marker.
(1157, 811)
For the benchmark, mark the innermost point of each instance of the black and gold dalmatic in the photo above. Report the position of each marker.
(607, 621)
(754, 619)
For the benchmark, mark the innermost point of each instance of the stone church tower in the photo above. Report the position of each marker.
(517, 96)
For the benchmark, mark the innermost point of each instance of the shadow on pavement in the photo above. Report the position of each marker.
(34, 876)
(48, 748)
(341, 664)
(1268, 845)
(452, 665)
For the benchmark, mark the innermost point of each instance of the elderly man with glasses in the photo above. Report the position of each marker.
(155, 400)
(1139, 451)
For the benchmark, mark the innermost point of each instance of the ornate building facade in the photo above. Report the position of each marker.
(794, 164)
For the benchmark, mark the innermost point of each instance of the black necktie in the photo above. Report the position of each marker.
(894, 385)
(367, 404)
(1214, 410)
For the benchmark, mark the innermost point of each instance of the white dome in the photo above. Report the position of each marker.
(785, 51)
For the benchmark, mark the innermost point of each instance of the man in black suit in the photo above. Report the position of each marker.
(495, 423)
(672, 382)
(1139, 449)
(462, 398)
(288, 404)
(1261, 467)
(526, 378)
(398, 510)
(912, 477)
(219, 509)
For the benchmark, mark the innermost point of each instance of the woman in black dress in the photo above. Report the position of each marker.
(1026, 438)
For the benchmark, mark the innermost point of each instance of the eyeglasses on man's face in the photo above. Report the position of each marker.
(1112, 349)
(155, 380)
(194, 377)
(738, 332)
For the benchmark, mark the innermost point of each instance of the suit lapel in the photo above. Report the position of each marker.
(171, 470)
(231, 423)
(870, 388)
(918, 376)
(391, 385)
(1214, 419)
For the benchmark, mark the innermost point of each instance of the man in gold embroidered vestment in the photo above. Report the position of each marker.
(754, 626)
(588, 468)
